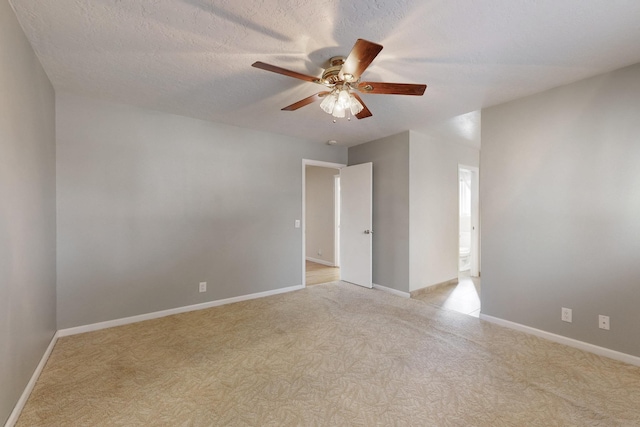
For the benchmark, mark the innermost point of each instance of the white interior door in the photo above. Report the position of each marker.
(356, 234)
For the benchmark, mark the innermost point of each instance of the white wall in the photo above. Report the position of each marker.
(150, 204)
(434, 210)
(320, 213)
(560, 202)
(27, 211)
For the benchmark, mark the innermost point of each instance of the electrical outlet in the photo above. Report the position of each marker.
(603, 322)
(320, 252)
(567, 314)
(203, 287)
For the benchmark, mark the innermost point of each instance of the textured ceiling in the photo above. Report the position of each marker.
(193, 57)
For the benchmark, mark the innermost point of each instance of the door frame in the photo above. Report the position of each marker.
(474, 271)
(337, 208)
(305, 163)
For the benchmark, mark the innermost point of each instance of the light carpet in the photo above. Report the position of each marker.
(328, 355)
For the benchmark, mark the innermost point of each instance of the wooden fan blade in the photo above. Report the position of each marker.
(284, 71)
(365, 111)
(392, 88)
(306, 101)
(362, 54)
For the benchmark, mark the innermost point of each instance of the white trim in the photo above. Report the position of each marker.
(320, 261)
(323, 164)
(435, 286)
(474, 271)
(336, 220)
(17, 410)
(392, 291)
(591, 348)
(15, 414)
(164, 313)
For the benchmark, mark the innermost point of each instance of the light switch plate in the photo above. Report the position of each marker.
(603, 322)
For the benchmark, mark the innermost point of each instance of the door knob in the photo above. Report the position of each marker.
(368, 232)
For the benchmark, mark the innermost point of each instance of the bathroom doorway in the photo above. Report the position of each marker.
(468, 228)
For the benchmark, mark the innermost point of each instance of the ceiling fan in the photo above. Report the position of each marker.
(342, 79)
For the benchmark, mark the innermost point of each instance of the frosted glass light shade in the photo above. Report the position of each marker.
(356, 106)
(339, 101)
(328, 103)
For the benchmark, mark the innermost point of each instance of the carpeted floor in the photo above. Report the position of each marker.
(330, 355)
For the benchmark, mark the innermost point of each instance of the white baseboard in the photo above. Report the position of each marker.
(169, 312)
(15, 414)
(320, 261)
(392, 291)
(17, 410)
(434, 287)
(600, 351)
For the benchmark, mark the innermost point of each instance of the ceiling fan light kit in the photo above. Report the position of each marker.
(342, 77)
(340, 101)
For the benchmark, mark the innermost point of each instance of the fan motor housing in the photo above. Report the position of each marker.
(330, 75)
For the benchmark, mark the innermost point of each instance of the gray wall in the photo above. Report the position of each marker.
(434, 206)
(390, 158)
(150, 204)
(320, 213)
(560, 202)
(27, 211)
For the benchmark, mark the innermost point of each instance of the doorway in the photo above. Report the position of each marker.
(321, 220)
(468, 223)
(464, 297)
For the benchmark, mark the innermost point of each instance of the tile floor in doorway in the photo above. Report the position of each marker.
(463, 297)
